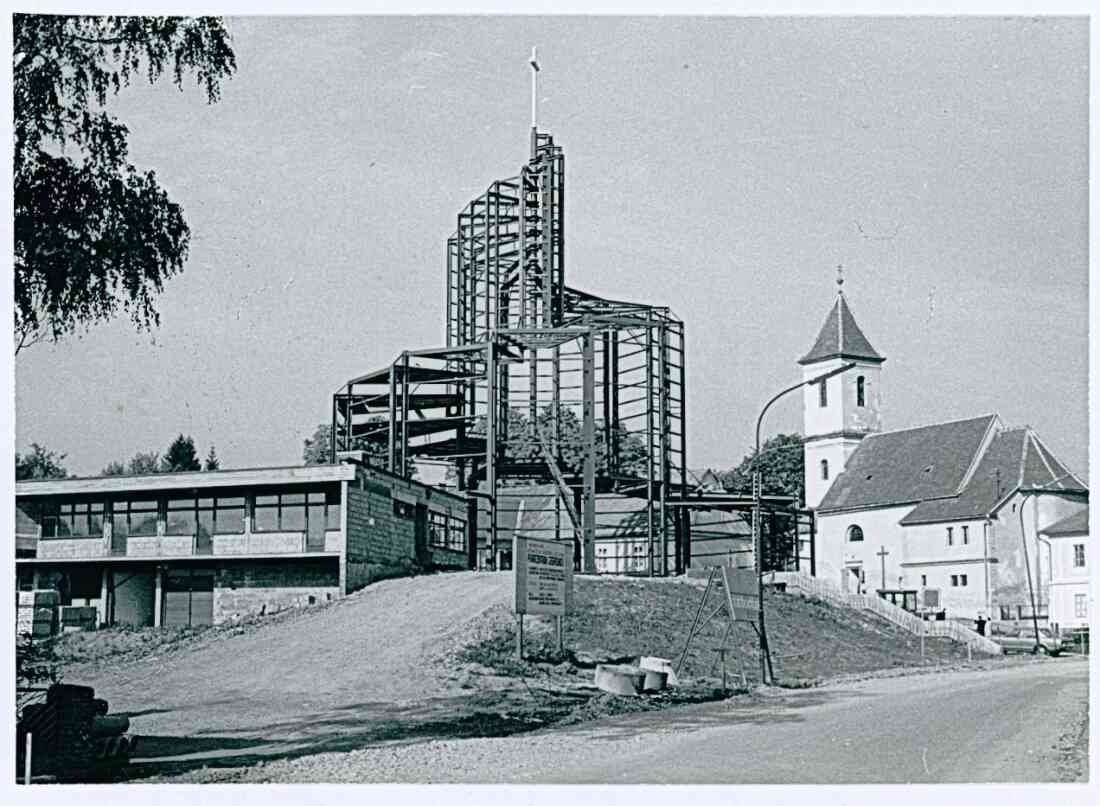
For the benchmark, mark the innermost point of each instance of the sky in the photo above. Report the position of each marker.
(721, 166)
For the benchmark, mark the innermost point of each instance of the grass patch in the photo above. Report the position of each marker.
(616, 620)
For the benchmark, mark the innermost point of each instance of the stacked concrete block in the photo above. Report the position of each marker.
(36, 613)
(79, 619)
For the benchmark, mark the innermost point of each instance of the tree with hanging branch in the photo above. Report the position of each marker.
(94, 235)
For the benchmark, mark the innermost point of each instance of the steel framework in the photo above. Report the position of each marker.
(538, 382)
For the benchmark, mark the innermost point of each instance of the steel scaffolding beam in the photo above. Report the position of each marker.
(529, 360)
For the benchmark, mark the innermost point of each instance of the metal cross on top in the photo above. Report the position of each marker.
(882, 553)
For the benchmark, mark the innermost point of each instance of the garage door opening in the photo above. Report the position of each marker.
(188, 597)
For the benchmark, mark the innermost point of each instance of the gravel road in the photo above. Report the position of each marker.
(1023, 723)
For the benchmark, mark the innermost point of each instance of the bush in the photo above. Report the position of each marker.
(35, 662)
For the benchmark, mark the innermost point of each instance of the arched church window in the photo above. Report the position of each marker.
(855, 534)
(822, 395)
(825, 469)
(859, 392)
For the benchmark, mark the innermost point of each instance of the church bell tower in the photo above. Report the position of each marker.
(839, 413)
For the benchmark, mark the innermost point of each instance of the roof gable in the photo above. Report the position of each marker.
(901, 467)
(1063, 477)
(840, 337)
(1075, 524)
(996, 475)
(1015, 459)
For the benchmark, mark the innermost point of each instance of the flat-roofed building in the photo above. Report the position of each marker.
(180, 549)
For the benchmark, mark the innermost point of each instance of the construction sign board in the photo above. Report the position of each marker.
(544, 576)
(743, 590)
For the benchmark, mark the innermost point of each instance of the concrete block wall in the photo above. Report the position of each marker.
(71, 548)
(266, 586)
(448, 558)
(375, 533)
(166, 546)
(276, 542)
(361, 574)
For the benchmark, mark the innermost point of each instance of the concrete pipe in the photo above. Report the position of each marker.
(654, 681)
(650, 664)
(626, 680)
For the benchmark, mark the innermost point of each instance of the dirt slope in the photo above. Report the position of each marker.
(432, 658)
(271, 682)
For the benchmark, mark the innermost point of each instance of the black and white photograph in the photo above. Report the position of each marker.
(536, 399)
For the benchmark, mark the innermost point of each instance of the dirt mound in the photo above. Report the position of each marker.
(433, 657)
(371, 647)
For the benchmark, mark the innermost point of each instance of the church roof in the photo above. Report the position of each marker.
(840, 337)
(930, 467)
(1075, 524)
(908, 466)
(1016, 459)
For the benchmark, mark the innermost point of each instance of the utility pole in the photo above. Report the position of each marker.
(882, 554)
(757, 538)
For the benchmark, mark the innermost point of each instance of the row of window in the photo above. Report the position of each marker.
(855, 533)
(316, 511)
(446, 532)
(965, 535)
(957, 580)
(823, 394)
(1021, 612)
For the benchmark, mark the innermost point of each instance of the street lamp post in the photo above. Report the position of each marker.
(757, 538)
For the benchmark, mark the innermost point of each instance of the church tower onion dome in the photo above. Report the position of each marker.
(840, 337)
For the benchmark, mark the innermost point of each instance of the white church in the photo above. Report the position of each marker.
(954, 516)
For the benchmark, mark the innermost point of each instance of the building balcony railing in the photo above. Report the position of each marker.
(172, 546)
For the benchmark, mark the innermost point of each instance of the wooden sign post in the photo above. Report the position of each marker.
(544, 582)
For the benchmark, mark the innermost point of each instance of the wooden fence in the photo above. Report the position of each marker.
(828, 591)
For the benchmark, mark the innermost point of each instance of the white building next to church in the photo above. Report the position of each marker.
(1067, 545)
(956, 515)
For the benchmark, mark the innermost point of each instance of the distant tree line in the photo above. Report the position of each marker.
(179, 457)
(42, 463)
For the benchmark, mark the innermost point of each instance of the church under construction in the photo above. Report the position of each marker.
(560, 413)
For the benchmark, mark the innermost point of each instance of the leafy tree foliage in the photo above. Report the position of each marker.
(317, 449)
(781, 466)
(144, 463)
(114, 469)
(180, 456)
(524, 443)
(36, 662)
(40, 463)
(93, 234)
(212, 462)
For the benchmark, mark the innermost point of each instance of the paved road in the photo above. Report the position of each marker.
(996, 726)
(1012, 725)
